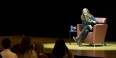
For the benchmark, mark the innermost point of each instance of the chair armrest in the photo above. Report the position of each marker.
(99, 32)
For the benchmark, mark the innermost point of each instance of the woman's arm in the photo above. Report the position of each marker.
(84, 23)
(94, 20)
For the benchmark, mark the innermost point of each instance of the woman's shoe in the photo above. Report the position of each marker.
(80, 44)
(74, 39)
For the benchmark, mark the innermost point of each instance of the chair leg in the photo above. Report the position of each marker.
(90, 44)
(104, 44)
(94, 45)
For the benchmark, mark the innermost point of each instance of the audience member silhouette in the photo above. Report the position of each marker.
(25, 50)
(15, 48)
(7, 53)
(39, 49)
(60, 50)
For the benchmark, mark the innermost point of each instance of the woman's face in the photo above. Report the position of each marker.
(84, 11)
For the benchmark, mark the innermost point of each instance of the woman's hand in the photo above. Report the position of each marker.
(93, 21)
(90, 27)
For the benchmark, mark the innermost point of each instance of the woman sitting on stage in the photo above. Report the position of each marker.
(88, 21)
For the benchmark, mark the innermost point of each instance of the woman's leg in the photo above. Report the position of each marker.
(78, 37)
(83, 37)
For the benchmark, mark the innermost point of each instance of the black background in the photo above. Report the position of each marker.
(52, 18)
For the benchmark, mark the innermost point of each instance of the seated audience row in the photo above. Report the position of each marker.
(26, 50)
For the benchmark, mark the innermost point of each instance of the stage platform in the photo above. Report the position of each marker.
(89, 50)
(86, 46)
(107, 51)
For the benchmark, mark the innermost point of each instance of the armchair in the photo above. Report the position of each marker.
(98, 34)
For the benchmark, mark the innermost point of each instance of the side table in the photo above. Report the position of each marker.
(70, 36)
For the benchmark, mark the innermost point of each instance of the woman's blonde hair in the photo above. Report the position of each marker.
(88, 15)
(39, 48)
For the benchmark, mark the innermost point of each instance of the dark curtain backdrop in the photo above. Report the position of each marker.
(51, 19)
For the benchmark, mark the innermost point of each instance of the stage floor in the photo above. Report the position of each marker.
(86, 50)
(74, 46)
(108, 51)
